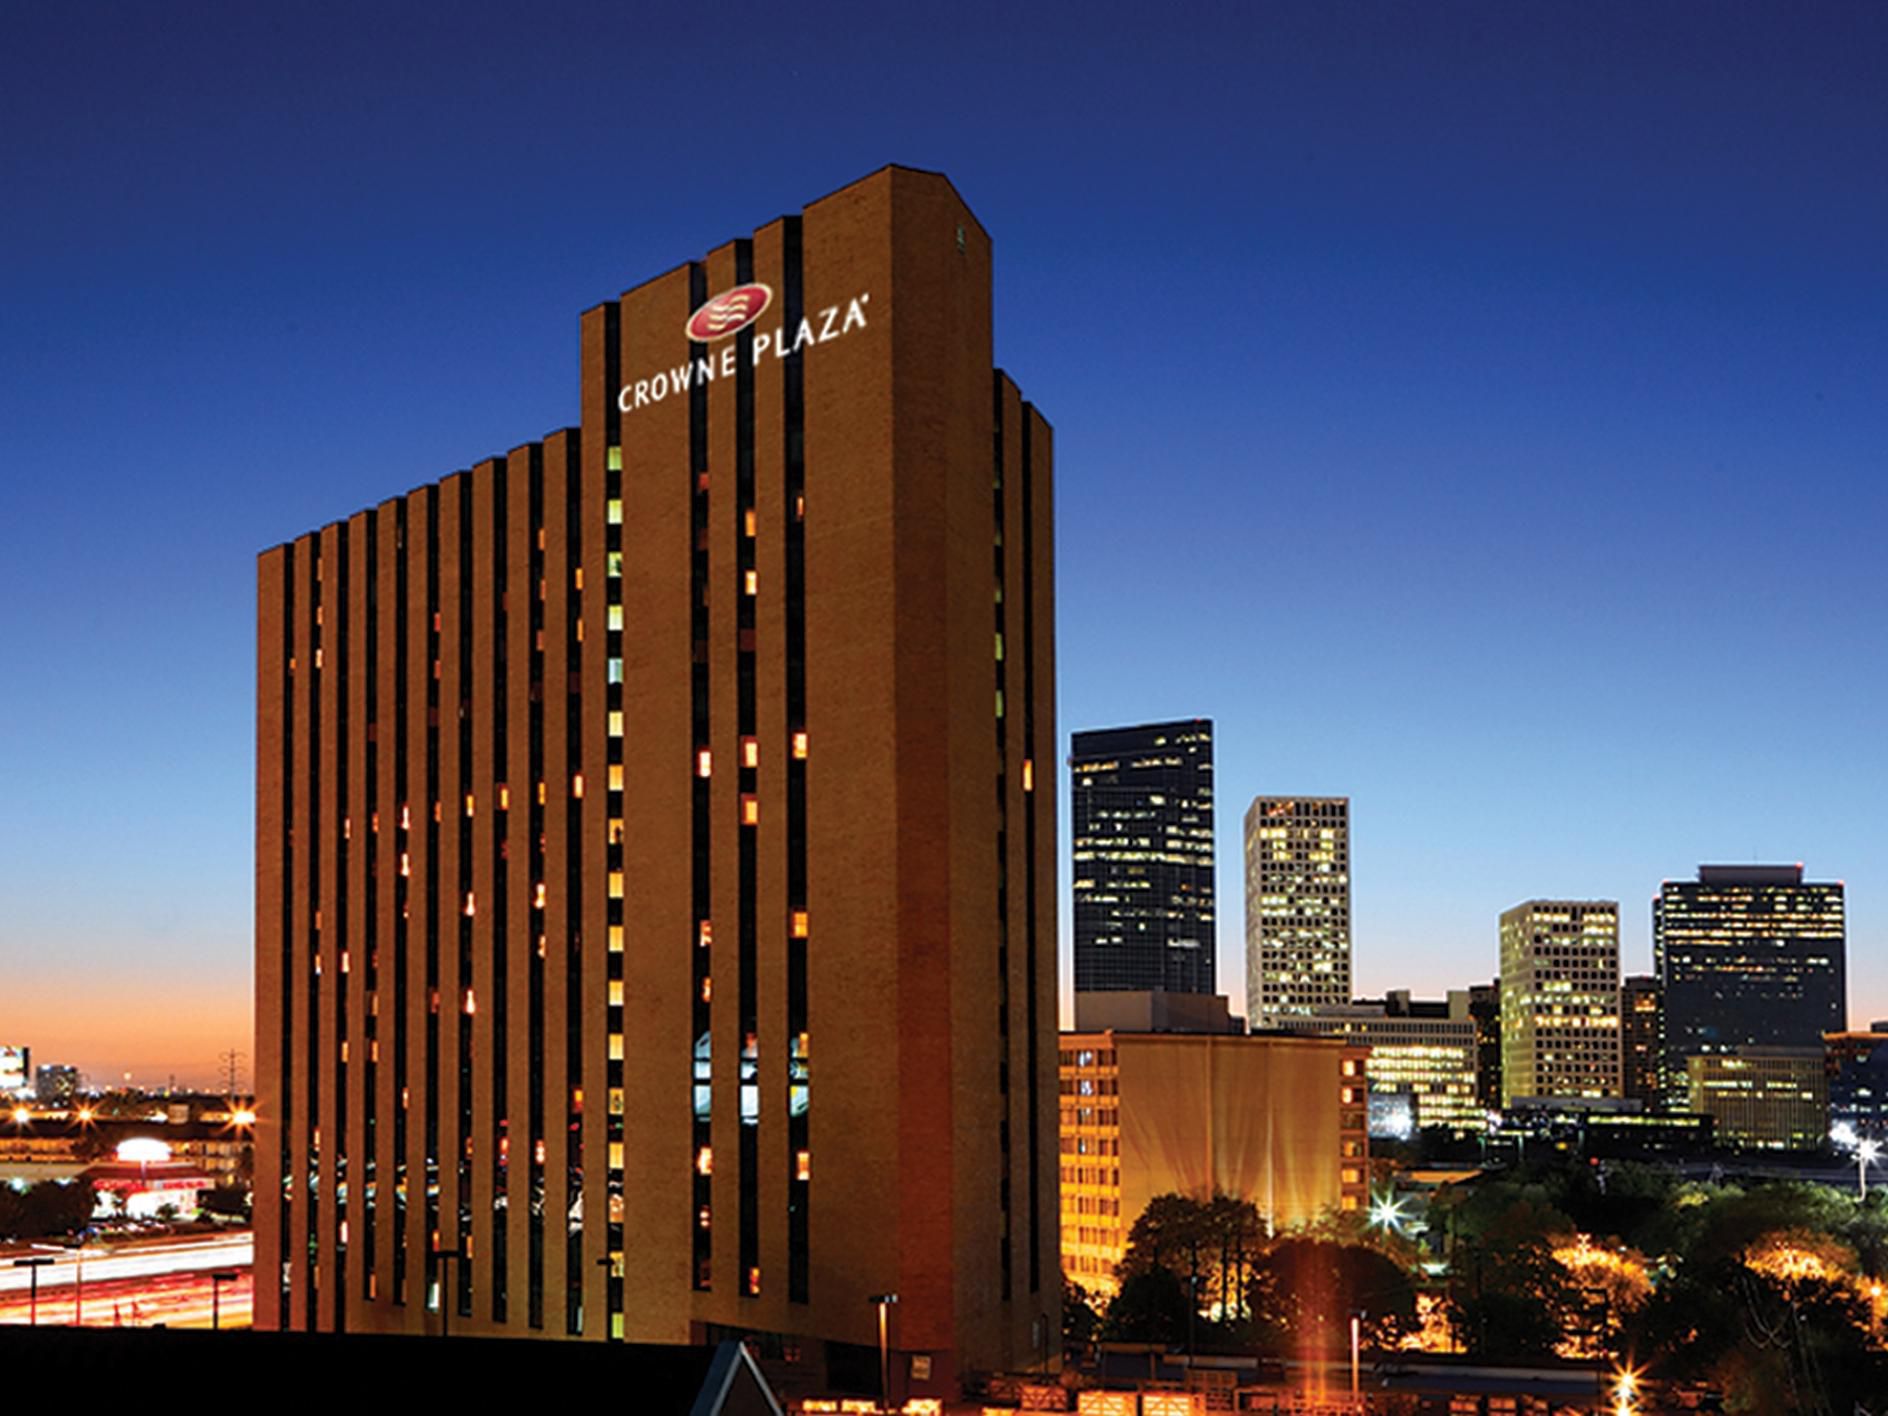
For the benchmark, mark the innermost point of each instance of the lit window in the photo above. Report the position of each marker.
(616, 671)
(616, 1047)
(616, 617)
(471, 1002)
(616, 1101)
(616, 939)
(706, 934)
(576, 785)
(468, 804)
(471, 906)
(613, 566)
(538, 902)
(750, 809)
(504, 798)
(613, 459)
(749, 520)
(616, 993)
(753, 1280)
(705, 1161)
(799, 745)
(999, 645)
(616, 724)
(750, 752)
(803, 1166)
(541, 795)
(616, 885)
(799, 924)
(1029, 775)
(614, 512)
(752, 585)
(707, 990)
(616, 1155)
(616, 776)
(704, 762)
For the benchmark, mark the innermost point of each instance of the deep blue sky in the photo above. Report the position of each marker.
(1475, 409)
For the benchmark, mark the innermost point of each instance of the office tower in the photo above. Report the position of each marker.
(1560, 1000)
(1297, 906)
(16, 1071)
(1141, 827)
(1641, 1044)
(54, 1085)
(1856, 1064)
(1484, 1006)
(1761, 1098)
(655, 890)
(1422, 1050)
(1279, 1121)
(1748, 955)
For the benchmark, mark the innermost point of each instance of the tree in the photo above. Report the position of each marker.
(1304, 1291)
(50, 1209)
(1151, 1307)
(1207, 1245)
(1080, 1318)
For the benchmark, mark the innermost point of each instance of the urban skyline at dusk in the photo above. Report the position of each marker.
(1475, 415)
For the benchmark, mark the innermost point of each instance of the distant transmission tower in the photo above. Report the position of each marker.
(232, 1070)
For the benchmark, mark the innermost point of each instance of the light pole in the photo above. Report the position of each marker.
(446, 1298)
(885, 1302)
(218, 1278)
(32, 1266)
(1864, 1153)
(78, 1286)
(1356, 1344)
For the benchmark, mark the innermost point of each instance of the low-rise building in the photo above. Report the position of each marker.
(1277, 1120)
(1765, 1098)
(1856, 1064)
(1423, 1062)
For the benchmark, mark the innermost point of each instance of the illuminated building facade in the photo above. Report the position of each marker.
(1763, 1098)
(1297, 906)
(1280, 1121)
(16, 1071)
(1641, 1040)
(1419, 1049)
(1141, 831)
(655, 897)
(55, 1085)
(1856, 1064)
(1560, 1000)
(1748, 955)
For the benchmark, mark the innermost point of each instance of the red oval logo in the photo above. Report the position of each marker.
(729, 313)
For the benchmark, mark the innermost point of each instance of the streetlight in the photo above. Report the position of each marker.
(78, 1288)
(218, 1278)
(446, 1298)
(1624, 1390)
(33, 1266)
(1387, 1213)
(1864, 1153)
(884, 1301)
(1356, 1343)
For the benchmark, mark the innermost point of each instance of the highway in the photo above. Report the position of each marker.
(138, 1283)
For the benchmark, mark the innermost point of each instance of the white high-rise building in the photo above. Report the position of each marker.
(1297, 906)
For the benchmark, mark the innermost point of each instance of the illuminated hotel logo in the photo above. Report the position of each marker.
(729, 313)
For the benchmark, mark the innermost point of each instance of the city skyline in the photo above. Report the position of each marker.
(1535, 343)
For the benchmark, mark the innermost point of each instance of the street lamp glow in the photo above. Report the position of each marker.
(1387, 1213)
(1625, 1388)
(1864, 1154)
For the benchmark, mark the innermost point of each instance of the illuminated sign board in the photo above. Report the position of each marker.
(729, 313)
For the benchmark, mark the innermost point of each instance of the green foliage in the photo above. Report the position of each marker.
(50, 1209)
(1151, 1307)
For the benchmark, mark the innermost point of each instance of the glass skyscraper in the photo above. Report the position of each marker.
(1297, 906)
(1748, 955)
(1142, 825)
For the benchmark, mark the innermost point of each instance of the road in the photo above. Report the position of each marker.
(133, 1284)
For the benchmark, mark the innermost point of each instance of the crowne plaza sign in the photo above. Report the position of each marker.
(728, 314)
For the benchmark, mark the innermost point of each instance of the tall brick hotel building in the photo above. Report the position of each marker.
(655, 839)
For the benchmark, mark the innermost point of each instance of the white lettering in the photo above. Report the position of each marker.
(855, 313)
(679, 378)
(642, 392)
(804, 337)
(659, 387)
(727, 361)
(761, 341)
(622, 400)
(826, 330)
(704, 371)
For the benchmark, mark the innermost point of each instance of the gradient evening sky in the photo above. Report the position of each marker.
(1477, 410)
